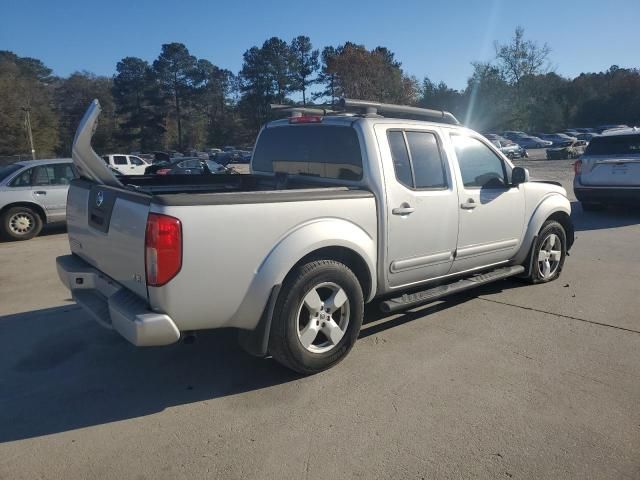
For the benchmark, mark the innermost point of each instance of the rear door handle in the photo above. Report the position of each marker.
(404, 209)
(468, 205)
(40, 192)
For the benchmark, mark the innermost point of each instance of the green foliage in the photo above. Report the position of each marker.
(26, 83)
(304, 63)
(350, 70)
(182, 102)
(175, 69)
(72, 96)
(136, 94)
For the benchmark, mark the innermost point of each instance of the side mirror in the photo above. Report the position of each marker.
(519, 175)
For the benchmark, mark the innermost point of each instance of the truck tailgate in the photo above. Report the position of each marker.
(106, 227)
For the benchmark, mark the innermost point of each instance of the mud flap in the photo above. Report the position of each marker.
(256, 342)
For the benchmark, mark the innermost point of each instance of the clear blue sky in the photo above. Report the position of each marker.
(434, 38)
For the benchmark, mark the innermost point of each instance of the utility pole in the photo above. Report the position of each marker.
(27, 112)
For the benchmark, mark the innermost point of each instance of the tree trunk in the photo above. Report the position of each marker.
(175, 88)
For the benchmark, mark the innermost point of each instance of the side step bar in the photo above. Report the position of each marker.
(435, 293)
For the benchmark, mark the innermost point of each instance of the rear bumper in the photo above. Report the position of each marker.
(612, 195)
(113, 306)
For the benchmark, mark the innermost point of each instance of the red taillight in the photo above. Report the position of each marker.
(163, 171)
(306, 119)
(163, 249)
(577, 167)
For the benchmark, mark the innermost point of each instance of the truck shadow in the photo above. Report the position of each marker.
(60, 371)
(612, 217)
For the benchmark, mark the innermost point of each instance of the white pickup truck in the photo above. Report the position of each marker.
(126, 164)
(340, 209)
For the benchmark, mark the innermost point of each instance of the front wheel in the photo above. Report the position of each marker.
(20, 223)
(549, 253)
(317, 317)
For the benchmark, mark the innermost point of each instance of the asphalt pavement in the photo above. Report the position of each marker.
(509, 381)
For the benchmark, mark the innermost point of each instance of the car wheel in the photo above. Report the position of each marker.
(20, 223)
(549, 253)
(317, 317)
(591, 206)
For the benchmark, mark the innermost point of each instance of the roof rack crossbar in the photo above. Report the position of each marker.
(401, 111)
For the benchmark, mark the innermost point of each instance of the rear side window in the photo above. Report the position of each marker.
(417, 160)
(426, 160)
(400, 156)
(618, 145)
(119, 160)
(326, 151)
(24, 179)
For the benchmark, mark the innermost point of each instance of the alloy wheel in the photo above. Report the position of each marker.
(323, 317)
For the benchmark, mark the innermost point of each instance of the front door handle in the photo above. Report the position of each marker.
(40, 192)
(404, 209)
(469, 204)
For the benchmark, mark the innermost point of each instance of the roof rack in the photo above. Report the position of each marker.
(372, 109)
(366, 108)
(299, 110)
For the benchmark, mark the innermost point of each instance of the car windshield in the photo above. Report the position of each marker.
(617, 145)
(7, 170)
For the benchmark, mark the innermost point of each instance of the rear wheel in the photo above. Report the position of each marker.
(549, 253)
(20, 223)
(317, 317)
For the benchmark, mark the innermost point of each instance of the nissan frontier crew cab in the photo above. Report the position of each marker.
(372, 203)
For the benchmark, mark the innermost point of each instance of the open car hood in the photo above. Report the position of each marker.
(88, 163)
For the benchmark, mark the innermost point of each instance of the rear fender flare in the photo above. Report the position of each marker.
(295, 245)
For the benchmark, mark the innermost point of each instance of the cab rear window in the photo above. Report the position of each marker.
(617, 145)
(325, 151)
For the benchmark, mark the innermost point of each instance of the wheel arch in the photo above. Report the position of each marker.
(553, 206)
(346, 256)
(34, 206)
(330, 238)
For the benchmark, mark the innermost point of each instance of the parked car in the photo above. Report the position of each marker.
(514, 135)
(570, 151)
(185, 166)
(192, 166)
(586, 136)
(532, 142)
(234, 156)
(609, 170)
(603, 128)
(498, 138)
(126, 164)
(32, 194)
(339, 211)
(558, 139)
(511, 150)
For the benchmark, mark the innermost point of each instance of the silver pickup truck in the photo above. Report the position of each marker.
(340, 209)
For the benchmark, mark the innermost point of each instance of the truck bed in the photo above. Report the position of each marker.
(229, 189)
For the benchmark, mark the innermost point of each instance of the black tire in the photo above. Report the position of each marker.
(13, 222)
(591, 206)
(537, 274)
(285, 343)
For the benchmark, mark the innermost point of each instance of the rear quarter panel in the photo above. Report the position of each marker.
(234, 254)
